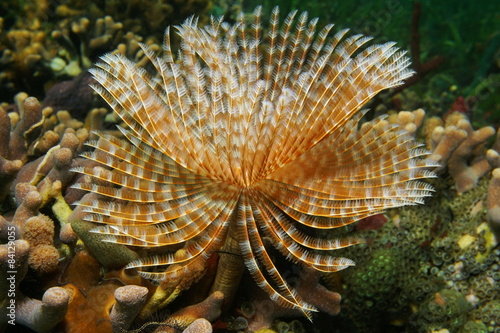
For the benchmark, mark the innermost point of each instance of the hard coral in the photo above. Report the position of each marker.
(200, 325)
(26, 52)
(42, 316)
(20, 266)
(129, 301)
(38, 230)
(27, 128)
(459, 147)
(314, 293)
(101, 35)
(150, 16)
(17, 135)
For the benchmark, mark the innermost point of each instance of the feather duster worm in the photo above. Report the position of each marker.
(258, 137)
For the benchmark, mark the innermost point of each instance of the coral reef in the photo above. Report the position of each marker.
(460, 148)
(426, 269)
(422, 269)
(43, 44)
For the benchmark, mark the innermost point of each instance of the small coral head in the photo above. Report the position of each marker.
(256, 135)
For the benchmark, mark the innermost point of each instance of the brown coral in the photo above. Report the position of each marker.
(129, 301)
(200, 325)
(44, 259)
(460, 148)
(18, 133)
(43, 316)
(39, 232)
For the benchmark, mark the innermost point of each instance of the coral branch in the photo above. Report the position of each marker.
(200, 325)
(43, 316)
(129, 301)
(315, 294)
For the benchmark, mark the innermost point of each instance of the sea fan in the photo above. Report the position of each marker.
(254, 138)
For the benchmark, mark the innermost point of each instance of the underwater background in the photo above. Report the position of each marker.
(426, 268)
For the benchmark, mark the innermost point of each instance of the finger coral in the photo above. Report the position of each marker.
(129, 301)
(200, 325)
(244, 137)
(43, 316)
(16, 135)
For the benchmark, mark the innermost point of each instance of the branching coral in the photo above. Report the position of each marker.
(151, 15)
(200, 325)
(102, 36)
(26, 52)
(316, 294)
(17, 135)
(129, 301)
(58, 40)
(42, 316)
(465, 173)
(39, 232)
(460, 149)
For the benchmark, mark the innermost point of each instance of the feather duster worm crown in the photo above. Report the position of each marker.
(258, 137)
